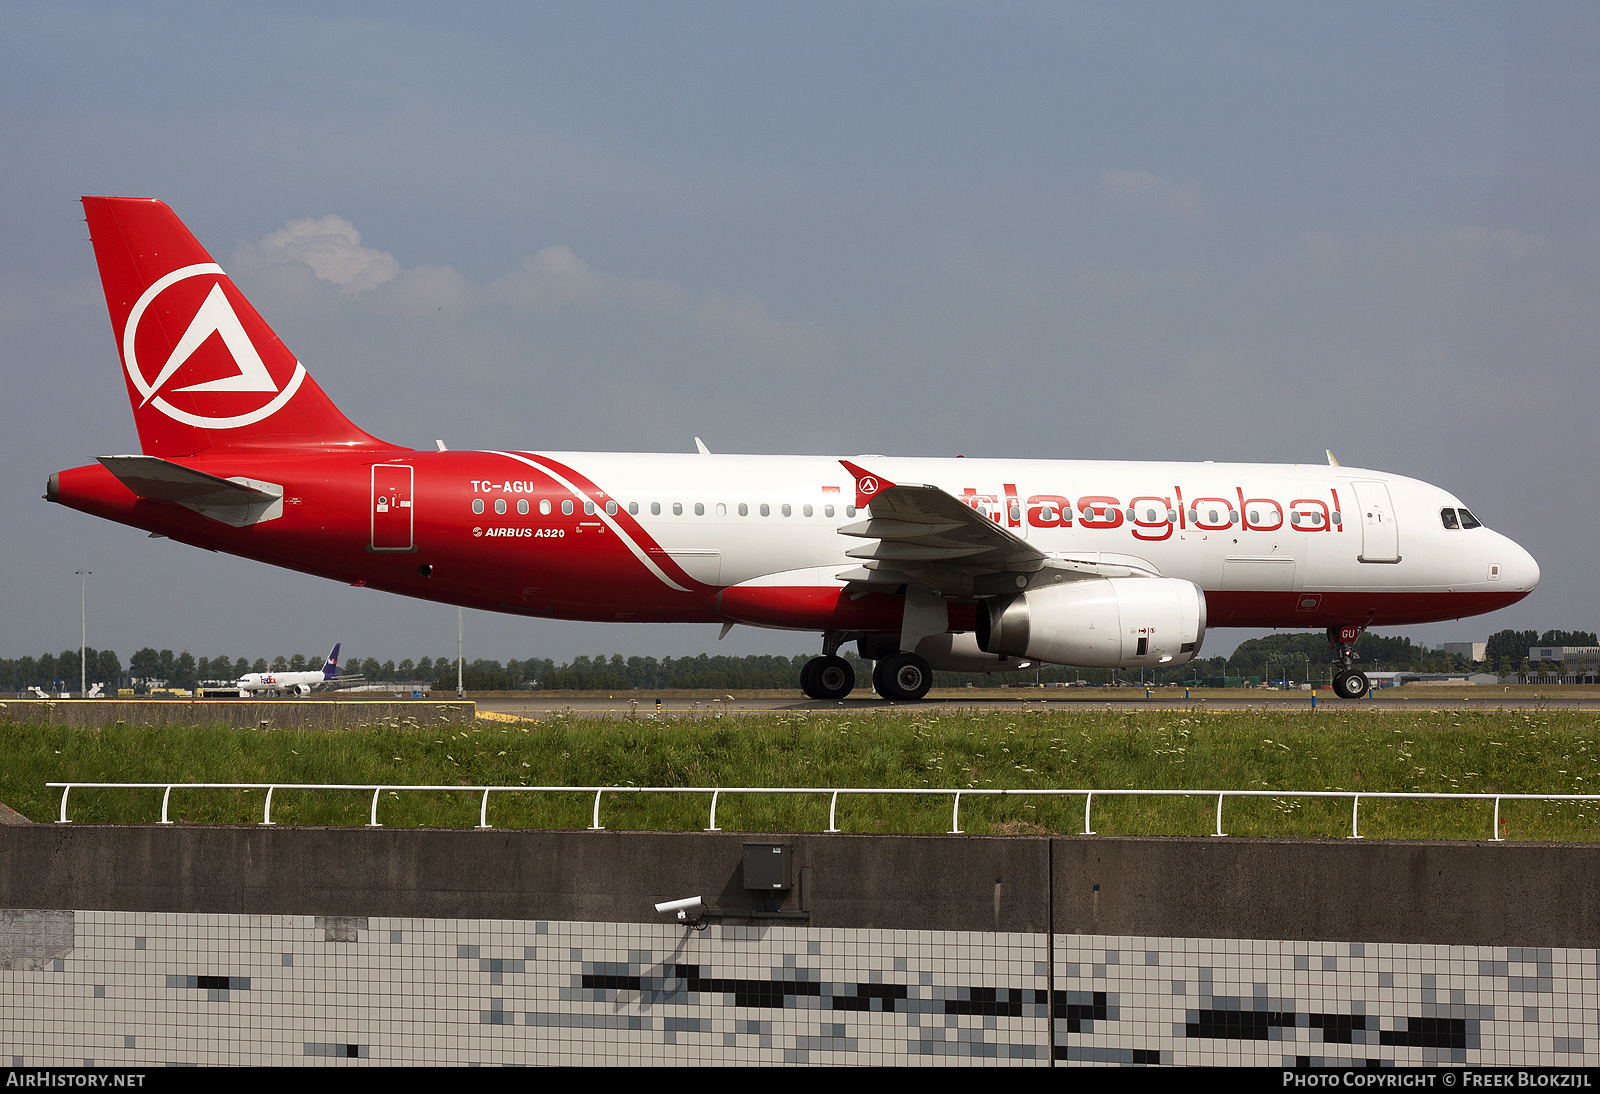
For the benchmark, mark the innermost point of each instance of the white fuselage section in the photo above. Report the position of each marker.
(1229, 528)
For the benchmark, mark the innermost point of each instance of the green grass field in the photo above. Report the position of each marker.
(1535, 752)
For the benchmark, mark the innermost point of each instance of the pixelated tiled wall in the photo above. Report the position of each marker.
(1200, 1001)
(120, 988)
(141, 989)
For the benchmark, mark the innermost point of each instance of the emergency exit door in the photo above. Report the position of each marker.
(392, 514)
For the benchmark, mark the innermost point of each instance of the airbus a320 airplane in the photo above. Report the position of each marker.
(970, 565)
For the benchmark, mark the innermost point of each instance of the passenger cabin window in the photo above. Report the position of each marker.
(544, 507)
(677, 508)
(477, 505)
(566, 508)
(588, 508)
(1470, 521)
(633, 508)
(827, 510)
(849, 510)
(766, 510)
(806, 510)
(611, 508)
(500, 506)
(655, 509)
(1449, 518)
(522, 507)
(744, 510)
(786, 510)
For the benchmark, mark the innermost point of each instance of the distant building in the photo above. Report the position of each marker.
(1583, 660)
(1472, 651)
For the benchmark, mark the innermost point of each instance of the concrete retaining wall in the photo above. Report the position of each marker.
(1514, 894)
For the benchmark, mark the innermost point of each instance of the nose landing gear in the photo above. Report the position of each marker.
(1350, 685)
(1347, 682)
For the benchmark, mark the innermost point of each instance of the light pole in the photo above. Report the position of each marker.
(83, 630)
(461, 691)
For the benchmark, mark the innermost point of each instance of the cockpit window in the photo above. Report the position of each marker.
(1449, 518)
(1470, 521)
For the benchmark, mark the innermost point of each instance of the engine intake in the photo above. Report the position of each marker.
(1116, 622)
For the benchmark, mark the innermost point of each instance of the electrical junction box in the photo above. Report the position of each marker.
(768, 866)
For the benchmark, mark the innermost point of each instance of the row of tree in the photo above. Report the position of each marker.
(1510, 648)
(1297, 656)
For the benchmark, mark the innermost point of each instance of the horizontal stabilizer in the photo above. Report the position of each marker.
(237, 502)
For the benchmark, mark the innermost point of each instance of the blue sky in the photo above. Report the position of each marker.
(1230, 232)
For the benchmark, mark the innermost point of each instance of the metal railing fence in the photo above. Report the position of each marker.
(1089, 795)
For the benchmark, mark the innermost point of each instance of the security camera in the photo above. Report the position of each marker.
(689, 905)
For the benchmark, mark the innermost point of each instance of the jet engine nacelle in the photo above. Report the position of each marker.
(1117, 622)
(302, 689)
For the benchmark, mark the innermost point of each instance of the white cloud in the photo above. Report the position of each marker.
(1144, 191)
(429, 288)
(330, 246)
(317, 262)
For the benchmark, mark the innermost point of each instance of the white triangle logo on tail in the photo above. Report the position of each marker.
(216, 316)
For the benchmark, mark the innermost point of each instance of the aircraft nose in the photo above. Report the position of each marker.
(1522, 570)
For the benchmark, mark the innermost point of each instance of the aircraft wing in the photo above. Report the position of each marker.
(925, 536)
(236, 502)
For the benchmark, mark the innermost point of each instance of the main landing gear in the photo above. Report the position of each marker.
(905, 677)
(829, 676)
(1347, 682)
(902, 677)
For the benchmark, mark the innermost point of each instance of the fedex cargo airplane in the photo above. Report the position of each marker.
(300, 683)
(963, 564)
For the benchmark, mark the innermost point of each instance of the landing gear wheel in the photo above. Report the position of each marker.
(905, 677)
(827, 678)
(808, 678)
(1350, 685)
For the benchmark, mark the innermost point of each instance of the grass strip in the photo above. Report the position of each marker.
(1369, 751)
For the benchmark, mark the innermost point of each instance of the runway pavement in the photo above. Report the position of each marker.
(1127, 700)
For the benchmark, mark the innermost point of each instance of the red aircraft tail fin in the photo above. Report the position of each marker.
(203, 369)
